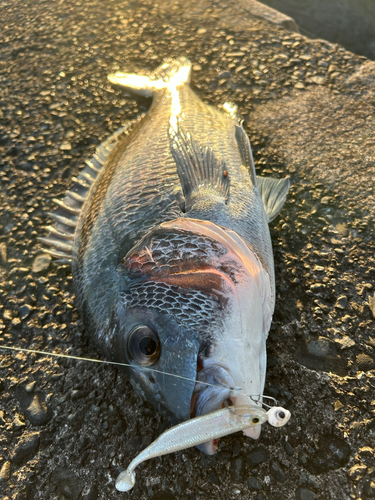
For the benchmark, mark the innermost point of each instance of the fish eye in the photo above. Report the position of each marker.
(281, 415)
(144, 345)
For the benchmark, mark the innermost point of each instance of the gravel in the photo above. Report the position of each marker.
(308, 109)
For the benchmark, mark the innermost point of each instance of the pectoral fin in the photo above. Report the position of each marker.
(198, 167)
(273, 192)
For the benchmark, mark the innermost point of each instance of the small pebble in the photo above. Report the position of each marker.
(119, 428)
(25, 449)
(256, 456)
(319, 80)
(41, 263)
(25, 311)
(288, 449)
(236, 448)
(8, 315)
(345, 342)
(213, 479)
(305, 494)
(338, 405)
(342, 302)
(238, 469)
(5, 472)
(18, 424)
(307, 480)
(30, 386)
(225, 74)
(37, 411)
(3, 252)
(277, 472)
(254, 484)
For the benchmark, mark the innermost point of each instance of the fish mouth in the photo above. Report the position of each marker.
(215, 388)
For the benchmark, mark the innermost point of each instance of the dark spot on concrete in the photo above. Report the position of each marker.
(288, 449)
(254, 484)
(237, 470)
(277, 471)
(321, 354)
(67, 483)
(369, 488)
(305, 494)
(332, 453)
(256, 456)
(164, 495)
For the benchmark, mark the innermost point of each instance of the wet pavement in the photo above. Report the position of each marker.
(67, 428)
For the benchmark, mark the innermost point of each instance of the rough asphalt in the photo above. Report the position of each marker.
(67, 428)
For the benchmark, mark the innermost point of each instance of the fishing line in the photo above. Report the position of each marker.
(80, 358)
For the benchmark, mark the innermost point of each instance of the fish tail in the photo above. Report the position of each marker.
(171, 73)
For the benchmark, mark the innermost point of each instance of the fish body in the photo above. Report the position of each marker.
(167, 231)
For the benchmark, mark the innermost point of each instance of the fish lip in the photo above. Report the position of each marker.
(213, 389)
(208, 398)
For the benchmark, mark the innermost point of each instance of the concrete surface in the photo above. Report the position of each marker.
(68, 427)
(348, 22)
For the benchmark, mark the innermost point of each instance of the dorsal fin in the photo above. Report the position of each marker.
(246, 153)
(60, 238)
(197, 166)
(273, 192)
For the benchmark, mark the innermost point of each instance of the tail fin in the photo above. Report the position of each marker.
(171, 73)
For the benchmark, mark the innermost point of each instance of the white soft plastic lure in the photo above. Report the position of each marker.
(201, 429)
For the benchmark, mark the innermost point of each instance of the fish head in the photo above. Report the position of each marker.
(191, 310)
(162, 352)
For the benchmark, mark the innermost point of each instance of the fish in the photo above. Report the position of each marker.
(167, 232)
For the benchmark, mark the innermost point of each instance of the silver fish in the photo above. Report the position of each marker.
(167, 232)
(193, 432)
(200, 430)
